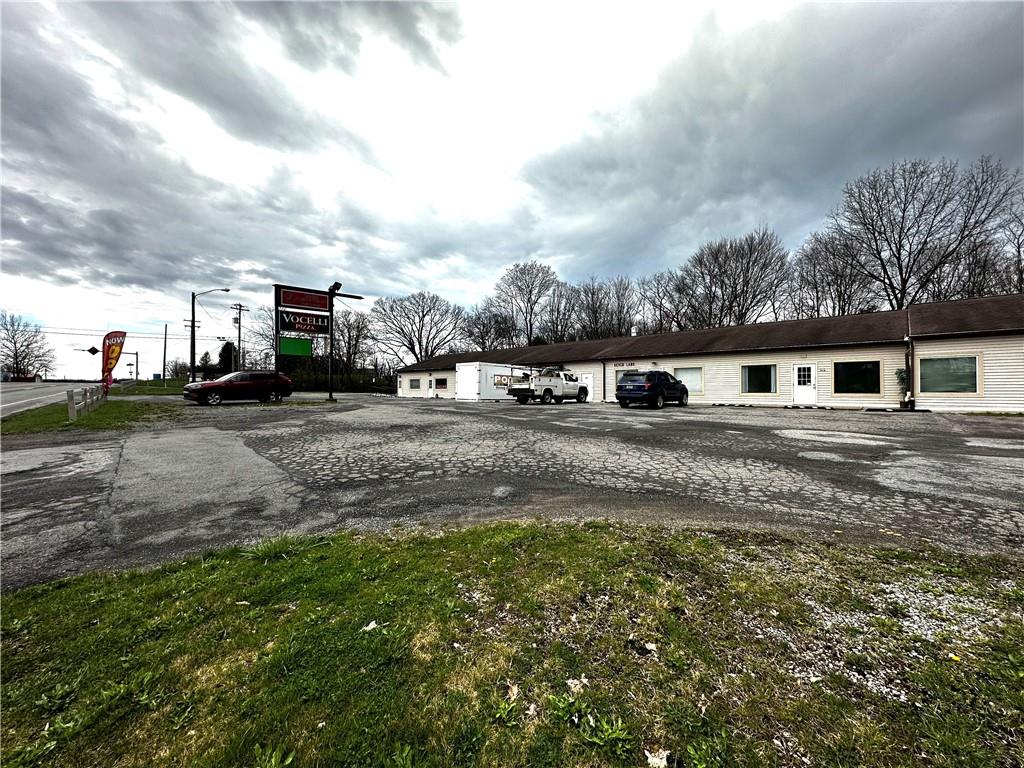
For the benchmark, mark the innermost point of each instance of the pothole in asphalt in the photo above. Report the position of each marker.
(845, 438)
(824, 456)
(1000, 443)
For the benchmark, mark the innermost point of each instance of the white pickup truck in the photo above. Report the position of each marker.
(550, 385)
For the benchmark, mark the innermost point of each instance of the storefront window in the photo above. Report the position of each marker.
(693, 378)
(759, 379)
(949, 374)
(859, 378)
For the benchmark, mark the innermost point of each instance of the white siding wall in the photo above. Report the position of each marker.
(1000, 363)
(1000, 368)
(594, 369)
(427, 380)
(722, 376)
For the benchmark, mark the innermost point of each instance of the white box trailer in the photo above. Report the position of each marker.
(486, 381)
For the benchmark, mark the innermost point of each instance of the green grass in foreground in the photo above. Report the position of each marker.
(110, 415)
(522, 645)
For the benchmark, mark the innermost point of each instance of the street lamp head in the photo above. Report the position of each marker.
(335, 287)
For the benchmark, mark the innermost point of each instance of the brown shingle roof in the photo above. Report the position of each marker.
(991, 314)
(996, 314)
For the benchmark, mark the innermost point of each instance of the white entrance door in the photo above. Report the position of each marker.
(587, 380)
(805, 384)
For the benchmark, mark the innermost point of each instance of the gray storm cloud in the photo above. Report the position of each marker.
(765, 127)
(760, 127)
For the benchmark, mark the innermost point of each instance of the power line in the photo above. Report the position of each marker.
(132, 334)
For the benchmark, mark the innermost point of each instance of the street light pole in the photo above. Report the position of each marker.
(192, 329)
(333, 291)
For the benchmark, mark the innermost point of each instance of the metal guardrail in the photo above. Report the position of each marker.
(92, 398)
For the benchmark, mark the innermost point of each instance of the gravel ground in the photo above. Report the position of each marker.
(240, 472)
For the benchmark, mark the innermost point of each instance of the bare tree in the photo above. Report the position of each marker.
(623, 306)
(661, 302)
(977, 270)
(23, 347)
(1012, 264)
(420, 326)
(259, 337)
(594, 307)
(912, 219)
(561, 314)
(522, 289)
(735, 281)
(825, 279)
(489, 326)
(351, 338)
(177, 368)
(703, 284)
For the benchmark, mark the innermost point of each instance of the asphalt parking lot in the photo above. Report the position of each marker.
(233, 474)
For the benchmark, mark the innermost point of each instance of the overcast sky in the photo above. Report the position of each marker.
(154, 149)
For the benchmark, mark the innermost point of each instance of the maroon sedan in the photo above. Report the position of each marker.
(242, 385)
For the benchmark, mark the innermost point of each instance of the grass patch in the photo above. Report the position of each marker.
(173, 387)
(529, 645)
(109, 415)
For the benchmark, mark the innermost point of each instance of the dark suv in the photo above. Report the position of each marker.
(655, 388)
(242, 385)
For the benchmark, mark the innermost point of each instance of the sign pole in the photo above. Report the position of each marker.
(277, 329)
(330, 345)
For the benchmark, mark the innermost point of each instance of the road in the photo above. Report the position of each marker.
(234, 474)
(18, 396)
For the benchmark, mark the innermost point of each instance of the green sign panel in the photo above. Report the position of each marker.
(297, 347)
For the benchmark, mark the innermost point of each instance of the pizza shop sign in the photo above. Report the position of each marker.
(304, 322)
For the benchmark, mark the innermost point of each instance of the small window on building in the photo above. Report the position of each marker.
(693, 378)
(859, 378)
(414, 383)
(949, 374)
(759, 379)
(441, 384)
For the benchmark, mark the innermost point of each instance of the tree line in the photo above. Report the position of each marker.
(915, 231)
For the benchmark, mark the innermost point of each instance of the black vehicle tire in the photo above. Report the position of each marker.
(214, 398)
(522, 399)
(559, 400)
(623, 404)
(547, 397)
(265, 398)
(581, 396)
(684, 399)
(658, 402)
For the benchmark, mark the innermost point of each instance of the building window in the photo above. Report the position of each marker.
(949, 374)
(859, 378)
(693, 378)
(414, 383)
(441, 384)
(759, 379)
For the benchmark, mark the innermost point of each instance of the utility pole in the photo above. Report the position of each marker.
(163, 371)
(238, 321)
(192, 328)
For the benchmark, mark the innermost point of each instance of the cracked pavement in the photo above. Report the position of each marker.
(234, 474)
